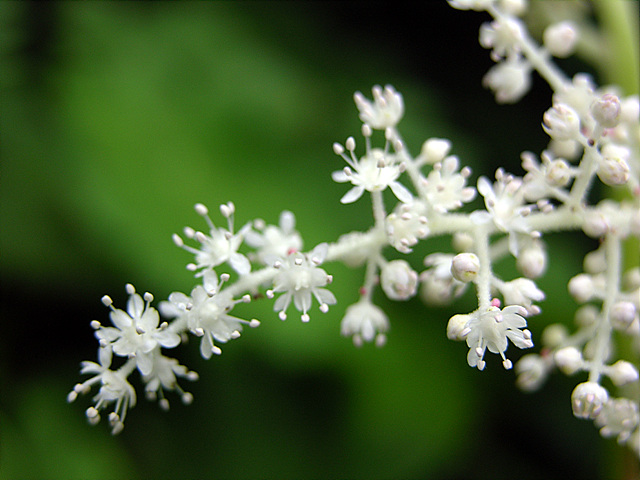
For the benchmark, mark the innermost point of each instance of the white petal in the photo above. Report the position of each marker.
(339, 176)
(240, 263)
(401, 192)
(352, 195)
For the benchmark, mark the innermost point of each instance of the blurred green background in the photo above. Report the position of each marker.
(118, 117)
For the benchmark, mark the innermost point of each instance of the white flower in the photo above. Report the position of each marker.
(206, 313)
(522, 291)
(136, 333)
(275, 241)
(445, 187)
(406, 225)
(399, 281)
(503, 36)
(374, 172)
(509, 80)
(504, 201)
(164, 377)
(299, 278)
(492, 329)
(385, 111)
(220, 246)
(365, 322)
(545, 179)
(618, 417)
(114, 389)
(434, 150)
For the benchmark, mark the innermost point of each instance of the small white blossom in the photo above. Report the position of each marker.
(136, 332)
(509, 80)
(207, 314)
(385, 111)
(406, 225)
(522, 291)
(277, 241)
(619, 417)
(300, 278)
(365, 322)
(446, 188)
(545, 179)
(503, 36)
(164, 377)
(493, 329)
(399, 281)
(114, 389)
(587, 399)
(220, 246)
(374, 172)
(504, 201)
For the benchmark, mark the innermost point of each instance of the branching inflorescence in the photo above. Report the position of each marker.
(594, 136)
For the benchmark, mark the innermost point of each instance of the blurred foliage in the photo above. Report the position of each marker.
(116, 118)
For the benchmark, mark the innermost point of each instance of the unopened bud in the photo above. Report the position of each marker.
(587, 399)
(561, 122)
(465, 267)
(560, 39)
(606, 110)
(399, 281)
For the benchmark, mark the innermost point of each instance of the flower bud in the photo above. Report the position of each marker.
(581, 288)
(554, 335)
(561, 122)
(457, 327)
(435, 149)
(622, 372)
(558, 173)
(613, 171)
(595, 224)
(622, 315)
(569, 360)
(587, 399)
(399, 281)
(531, 371)
(465, 267)
(606, 110)
(560, 39)
(532, 260)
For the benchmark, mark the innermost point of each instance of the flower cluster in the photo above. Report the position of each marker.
(594, 135)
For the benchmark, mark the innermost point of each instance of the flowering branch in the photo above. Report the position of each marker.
(593, 137)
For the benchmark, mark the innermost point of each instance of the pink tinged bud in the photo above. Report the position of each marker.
(465, 267)
(613, 171)
(399, 281)
(587, 400)
(622, 315)
(606, 110)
